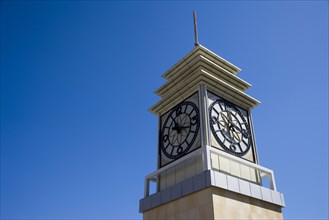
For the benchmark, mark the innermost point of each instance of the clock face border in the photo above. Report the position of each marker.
(188, 106)
(222, 142)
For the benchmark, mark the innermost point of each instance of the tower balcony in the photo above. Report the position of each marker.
(209, 167)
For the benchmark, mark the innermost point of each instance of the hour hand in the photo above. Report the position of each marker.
(242, 131)
(175, 126)
(186, 126)
(235, 126)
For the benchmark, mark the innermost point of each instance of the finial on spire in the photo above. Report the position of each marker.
(196, 43)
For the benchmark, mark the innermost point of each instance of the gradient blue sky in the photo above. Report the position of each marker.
(77, 78)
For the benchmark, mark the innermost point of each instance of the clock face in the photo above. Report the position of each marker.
(179, 130)
(230, 127)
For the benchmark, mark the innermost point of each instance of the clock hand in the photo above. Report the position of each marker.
(229, 117)
(242, 131)
(235, 134)
(185, 126)
(225, 121)
(234, 126)
(175, 127)
(228, 130)
(231, 126)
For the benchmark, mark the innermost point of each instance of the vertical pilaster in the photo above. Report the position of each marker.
(205, 140)
(203, 115)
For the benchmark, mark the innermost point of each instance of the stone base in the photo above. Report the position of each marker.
(215, 203)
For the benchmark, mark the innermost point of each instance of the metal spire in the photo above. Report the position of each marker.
(196, 43)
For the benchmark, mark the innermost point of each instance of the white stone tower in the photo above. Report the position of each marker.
(207, 158)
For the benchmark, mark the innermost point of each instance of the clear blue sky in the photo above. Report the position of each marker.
(77, 78)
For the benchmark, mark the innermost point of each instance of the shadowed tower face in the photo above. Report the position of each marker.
(207, 158)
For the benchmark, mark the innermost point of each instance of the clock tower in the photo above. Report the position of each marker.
(208, 165)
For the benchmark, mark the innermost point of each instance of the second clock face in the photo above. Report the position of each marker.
(230, 127)
(180, 130)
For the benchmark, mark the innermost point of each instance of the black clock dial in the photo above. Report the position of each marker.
(230, 127)
(180, 130)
